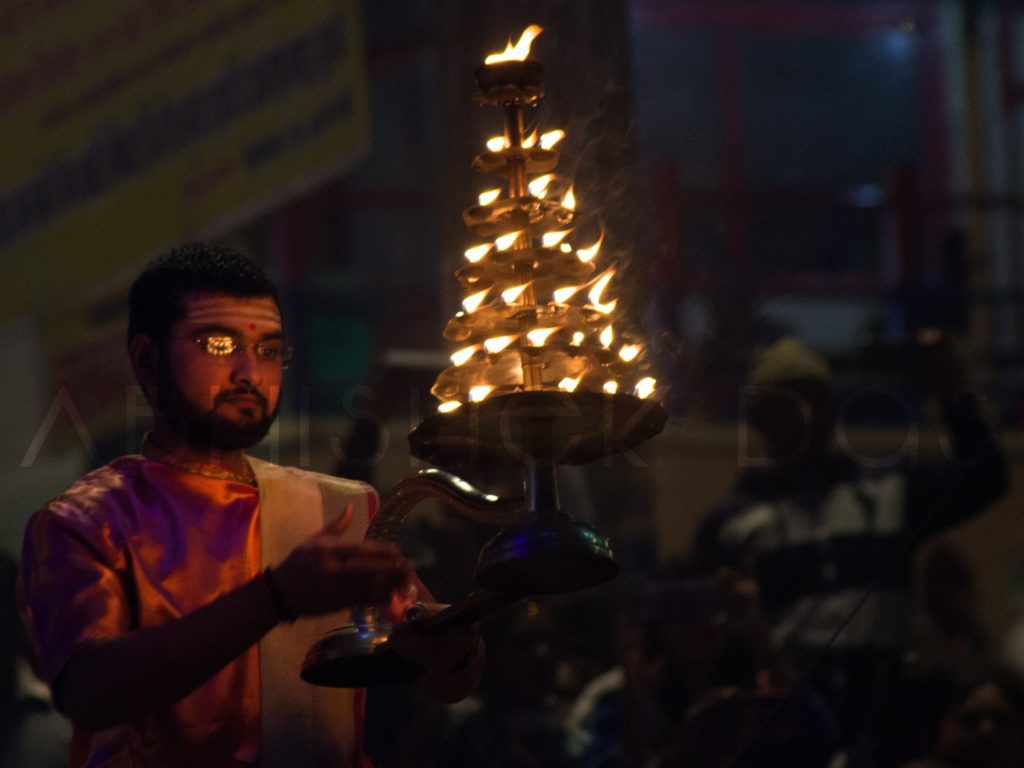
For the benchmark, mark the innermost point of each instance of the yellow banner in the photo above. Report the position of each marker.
(128, 126)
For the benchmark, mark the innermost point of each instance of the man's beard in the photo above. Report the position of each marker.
(208, 429)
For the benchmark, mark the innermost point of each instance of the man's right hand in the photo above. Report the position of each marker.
(326, 573)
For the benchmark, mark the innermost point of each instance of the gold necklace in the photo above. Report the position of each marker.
(151, 451)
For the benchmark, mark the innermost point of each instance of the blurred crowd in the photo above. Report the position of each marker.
(819, 618)
(796, 631)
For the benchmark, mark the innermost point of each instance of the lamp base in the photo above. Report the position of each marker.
(545, 556)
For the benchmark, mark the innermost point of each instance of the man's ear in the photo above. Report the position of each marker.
(145, 359)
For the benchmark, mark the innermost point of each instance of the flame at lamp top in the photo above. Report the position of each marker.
(520, 50)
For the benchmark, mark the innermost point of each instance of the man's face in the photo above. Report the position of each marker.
(221, 401)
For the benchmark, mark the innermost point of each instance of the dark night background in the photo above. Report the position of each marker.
(848, 172)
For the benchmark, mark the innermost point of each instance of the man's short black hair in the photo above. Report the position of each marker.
(154, 304)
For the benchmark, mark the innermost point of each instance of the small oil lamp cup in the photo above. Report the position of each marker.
(509, 74)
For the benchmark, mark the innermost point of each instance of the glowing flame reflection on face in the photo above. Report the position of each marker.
(539, 336)
(520, 50)
(539, 186)
(477, 252)
(645, 387)
(549, 139)
(595, 294)
(448, 407)
(496, 344)
(478, 393)
(569, 385)
(611, 387)
(461, 356)
(473, 301)
(607, 337)
(488, 196)
(505, 242)
(628, 352)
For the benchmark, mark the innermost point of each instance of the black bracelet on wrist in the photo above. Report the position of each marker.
(280, 604)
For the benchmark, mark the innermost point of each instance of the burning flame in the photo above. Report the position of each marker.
(565, 248)
(489, 196)
(577, 338)
(598, 289)
(549, 139)
(645, 387)
(606, 337)
(569, 201)
(509, 295)
(551, 239)
(569, 385)
(461, 356)
(539, 336)
(478, 393)
(539, 186)
(448, 407)
(505, 242)
(473, 301)
(611, 387)
(587, 254)
(628, 352)
(477, 252)
(497, 143)
(496, 344)
(562, 295)
(530, 141)
(520, 50)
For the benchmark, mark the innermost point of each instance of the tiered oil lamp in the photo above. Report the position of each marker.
(544, 375)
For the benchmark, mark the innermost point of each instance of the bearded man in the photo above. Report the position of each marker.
(171, 595)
